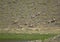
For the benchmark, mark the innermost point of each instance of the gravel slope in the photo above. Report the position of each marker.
(16, 15)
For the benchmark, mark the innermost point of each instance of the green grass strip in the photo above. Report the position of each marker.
(25, 36)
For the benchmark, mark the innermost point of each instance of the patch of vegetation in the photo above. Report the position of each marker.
(14, 36)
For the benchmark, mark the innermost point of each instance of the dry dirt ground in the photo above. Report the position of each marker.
(30, 16)
(55, 39)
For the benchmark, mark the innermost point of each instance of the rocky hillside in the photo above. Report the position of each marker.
(19, 15)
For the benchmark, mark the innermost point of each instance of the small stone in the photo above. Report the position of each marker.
(33, 16)
(31, 25)
(39, 12)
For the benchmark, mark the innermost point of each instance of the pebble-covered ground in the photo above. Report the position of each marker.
(30, 15)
